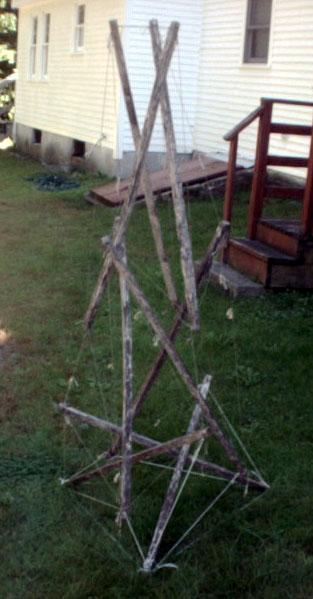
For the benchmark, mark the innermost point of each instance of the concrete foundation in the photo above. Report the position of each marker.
(58, 150)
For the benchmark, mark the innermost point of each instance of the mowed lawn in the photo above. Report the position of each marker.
(56, 542)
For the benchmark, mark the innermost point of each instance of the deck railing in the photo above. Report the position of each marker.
(266, 127)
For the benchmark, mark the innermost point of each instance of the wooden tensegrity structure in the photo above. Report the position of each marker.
(276, 252)
(203, 425)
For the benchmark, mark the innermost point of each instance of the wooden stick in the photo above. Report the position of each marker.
(127, 395)
(146, 182)
(200, 464)
(141, 456)
(173, 355)
(140, 161)
(169, 501)
(177, 189)
(218, 242)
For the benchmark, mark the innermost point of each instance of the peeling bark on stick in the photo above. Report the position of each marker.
(128, 207)
(146, 183)
(174, 356)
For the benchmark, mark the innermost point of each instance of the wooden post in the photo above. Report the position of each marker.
(307, 210)
(127, 394)
(146, 183)
(173, 355)
(260, 170)
(230, 182)
(169, 501)
(177, 189)
(140, 161)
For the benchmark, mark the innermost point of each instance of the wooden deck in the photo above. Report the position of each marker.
(196, 170)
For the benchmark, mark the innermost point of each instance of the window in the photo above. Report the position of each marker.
(79, 149)
(36, 136)
(45, 46)
(33, 47)
(79, 28)
(258, 31)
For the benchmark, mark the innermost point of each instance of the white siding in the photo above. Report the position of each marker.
(229, 90)
(80, 97)
(183, 74)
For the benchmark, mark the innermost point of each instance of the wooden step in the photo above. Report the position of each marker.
(281, 234)
(289, 193)
(256, 259)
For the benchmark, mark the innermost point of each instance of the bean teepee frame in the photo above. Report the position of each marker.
(121, 455)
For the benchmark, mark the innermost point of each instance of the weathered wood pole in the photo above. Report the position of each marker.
(127, 394)
(146, 183)
(141, 456)
(169, 501)
(177, 188)
(127, 208)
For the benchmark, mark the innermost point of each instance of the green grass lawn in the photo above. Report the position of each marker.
(57, 543)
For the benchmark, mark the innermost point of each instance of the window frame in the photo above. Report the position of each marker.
(248, 31)
(45, 46)
(32, 70)
(78, 28)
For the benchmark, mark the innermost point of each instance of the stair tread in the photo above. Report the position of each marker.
(289, 227)
(261, 250)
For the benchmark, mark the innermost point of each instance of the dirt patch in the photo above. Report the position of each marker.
(52, 182)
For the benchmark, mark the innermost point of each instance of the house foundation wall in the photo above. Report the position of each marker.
(57, 150)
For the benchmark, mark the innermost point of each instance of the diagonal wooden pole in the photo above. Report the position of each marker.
(173, 355)
(177, 189)
(127, 209)
(146, 182)
(141, 456)
(169, 501)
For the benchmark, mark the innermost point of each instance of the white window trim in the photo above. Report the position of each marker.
(33, 49)
(257, 66)
(77, 27)
(45, 46)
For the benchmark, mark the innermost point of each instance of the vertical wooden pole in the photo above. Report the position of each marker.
(127, 394)
(169, 501)
(177, 189)
(140, 161)
(151, 204)
(230, 183)
(307, 210)
(260, 170)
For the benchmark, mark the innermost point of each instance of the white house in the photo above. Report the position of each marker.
(68, 95)
(230, 53)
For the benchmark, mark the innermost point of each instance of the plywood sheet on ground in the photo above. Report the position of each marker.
(192, 171)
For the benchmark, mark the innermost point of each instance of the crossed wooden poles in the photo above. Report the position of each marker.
(121, 455)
